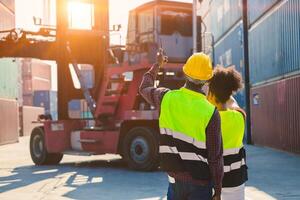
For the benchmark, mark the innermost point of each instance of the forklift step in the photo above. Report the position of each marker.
(78, 153)
(116, 80)
(89, 141)
(112, 92)
(93, 129)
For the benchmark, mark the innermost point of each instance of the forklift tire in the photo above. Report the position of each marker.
(38, 151)
(140, 149)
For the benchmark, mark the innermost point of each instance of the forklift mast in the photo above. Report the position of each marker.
(66, 46)
(86, 47)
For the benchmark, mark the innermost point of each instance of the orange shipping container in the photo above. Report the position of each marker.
(9, 121)
(28, 115)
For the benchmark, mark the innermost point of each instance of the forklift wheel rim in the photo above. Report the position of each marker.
(37, 146)
(139, 149)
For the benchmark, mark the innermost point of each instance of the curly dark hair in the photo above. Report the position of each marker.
(225, 82)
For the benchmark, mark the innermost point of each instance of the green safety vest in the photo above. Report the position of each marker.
(233, 128)
(183, 119)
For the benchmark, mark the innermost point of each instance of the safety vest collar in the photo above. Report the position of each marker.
(188, 91)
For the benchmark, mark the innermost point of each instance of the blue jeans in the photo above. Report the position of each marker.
(187, 191)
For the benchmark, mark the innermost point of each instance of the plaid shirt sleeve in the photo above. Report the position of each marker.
(214, 147)
(147, 89)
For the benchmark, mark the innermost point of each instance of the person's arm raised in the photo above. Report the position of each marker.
(147, 88)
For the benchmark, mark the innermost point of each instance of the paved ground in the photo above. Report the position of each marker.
(273, 175)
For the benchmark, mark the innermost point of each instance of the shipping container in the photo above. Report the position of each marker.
(46, 99)
(27, 100)
(7, 16)
(203, 8)
(229, 51)
(275, 113)
(10, 80)
(89, 77)
(78, 108)
(86, 115)
(256, 8)
(28, 118)
(34, 68)
(10, 4)
(224, 15)
(274, 43)
(31, 85)
(9, 118)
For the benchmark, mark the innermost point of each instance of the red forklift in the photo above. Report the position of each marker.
(122, 121)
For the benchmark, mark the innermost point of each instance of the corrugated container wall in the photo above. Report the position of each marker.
(224, 15)
(7, 15)
(9, 119)
(10, 4)
(256, 8)
(36, 75)
(203, 8)
(229, 51)
(28, 115)
(274, 43)
(275, 115)
(48, 100)
(78, 108)
(10, 79)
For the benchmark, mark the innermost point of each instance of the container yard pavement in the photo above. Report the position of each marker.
(273, 175)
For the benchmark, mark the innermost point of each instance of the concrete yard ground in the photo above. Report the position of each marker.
(272, 175)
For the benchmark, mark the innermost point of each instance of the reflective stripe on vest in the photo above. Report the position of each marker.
(183, 155)
(184, 117)
(232, 126)
(180, 136)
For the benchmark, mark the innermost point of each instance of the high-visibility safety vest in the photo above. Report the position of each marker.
(235, 168)
(183, 119)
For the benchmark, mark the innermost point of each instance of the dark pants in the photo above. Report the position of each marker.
(187, 191)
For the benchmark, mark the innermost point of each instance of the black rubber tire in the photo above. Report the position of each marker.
(146, 141)
(38, 150)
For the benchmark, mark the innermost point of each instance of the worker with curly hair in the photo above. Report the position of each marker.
(224, 83)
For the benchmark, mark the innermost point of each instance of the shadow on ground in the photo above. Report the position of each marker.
(274, 172)
(88, 180)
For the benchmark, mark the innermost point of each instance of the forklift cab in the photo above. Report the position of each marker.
(162, 24)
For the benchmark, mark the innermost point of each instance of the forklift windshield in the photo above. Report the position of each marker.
(174, 20)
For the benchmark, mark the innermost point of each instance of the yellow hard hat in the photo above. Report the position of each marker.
(199, 67)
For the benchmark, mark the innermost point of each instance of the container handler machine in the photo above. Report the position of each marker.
(123, 122)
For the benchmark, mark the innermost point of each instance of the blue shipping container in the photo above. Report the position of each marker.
(224, 15)
(256, 8)
(74, 104)
(274, 44)
(46, 99)
(54, 115)
(229, 51)
(88, 76)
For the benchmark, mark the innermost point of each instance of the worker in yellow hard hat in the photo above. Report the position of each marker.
(190, 144)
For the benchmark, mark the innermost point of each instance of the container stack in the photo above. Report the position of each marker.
(274, 49)
(46, 99)
(78, 109)
(223, 18)
(36, 75)
(10, 81)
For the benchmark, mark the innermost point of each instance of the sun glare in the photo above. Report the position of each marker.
(81, 15)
